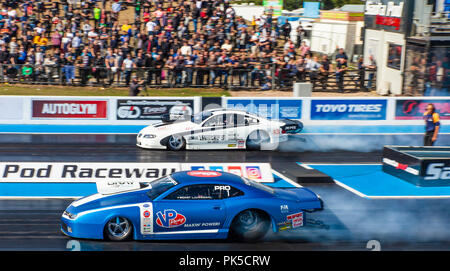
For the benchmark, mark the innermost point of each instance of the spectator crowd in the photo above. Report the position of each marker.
(201, 42)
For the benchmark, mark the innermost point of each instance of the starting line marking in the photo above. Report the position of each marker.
(360, 194)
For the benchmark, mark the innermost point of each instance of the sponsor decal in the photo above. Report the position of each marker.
(270, 109)
(391, 9)
(210, 138)
(222, 187)
(290, 127)
(203, 225)
(69, 109)
(198, 168)
(284, 208)
(216, 168)
(261, 172)
(150, 109)
(348, 109)
(170, 219)
(253, 172)
(412, 109)
(241, 144)
(284, 226)
(437, 171)
(128, 112)
(146, 218)
(296, 219)
(400, 166)
(204, 173)
(388, 21)
(116, 186)
(235, 170)
(385, 14)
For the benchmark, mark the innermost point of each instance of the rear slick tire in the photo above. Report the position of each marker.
(256, 140)
(250, 226)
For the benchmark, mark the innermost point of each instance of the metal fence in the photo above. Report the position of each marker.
(268, 78)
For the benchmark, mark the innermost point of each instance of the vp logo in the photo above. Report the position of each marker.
(169, 219)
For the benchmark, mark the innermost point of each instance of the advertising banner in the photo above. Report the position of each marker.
(388, 15)
(270, 109)
(413, 109)
(70, 109)
(76, 172)
(83, 172)
(259, 172)
(348, 109)
(134, 109)
(11, 108)
(311, 9)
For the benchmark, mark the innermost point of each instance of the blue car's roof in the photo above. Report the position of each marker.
(196, 176)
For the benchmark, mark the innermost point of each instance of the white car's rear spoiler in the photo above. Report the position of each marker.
(112, 187)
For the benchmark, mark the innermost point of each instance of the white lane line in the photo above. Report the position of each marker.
(285, 178)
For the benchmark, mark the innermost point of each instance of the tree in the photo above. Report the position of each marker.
(327, 4)
(292, 4)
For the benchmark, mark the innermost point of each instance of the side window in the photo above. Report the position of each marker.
(192, 192)
(226, 191)
(217, 120)
(230, 120)
(205, 192)
(251, 120)
(240, 120)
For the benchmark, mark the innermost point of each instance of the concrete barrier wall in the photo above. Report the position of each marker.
(127, 115)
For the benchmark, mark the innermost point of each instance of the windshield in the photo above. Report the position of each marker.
(199, 117)
(160, 186)
(259, 186)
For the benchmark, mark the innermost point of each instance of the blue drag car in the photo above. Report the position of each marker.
(190, 205)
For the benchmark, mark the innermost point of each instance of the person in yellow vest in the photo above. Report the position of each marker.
(432, 125)
(40, 40)
(126, 27)
(253, 23)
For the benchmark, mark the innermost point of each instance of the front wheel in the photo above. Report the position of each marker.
(250, 225)
(176, 143)
(118, 229)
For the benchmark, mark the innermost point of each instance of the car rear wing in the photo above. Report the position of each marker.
(291, 126)
(118, 186)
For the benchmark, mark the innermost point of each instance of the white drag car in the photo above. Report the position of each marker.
(217, 129)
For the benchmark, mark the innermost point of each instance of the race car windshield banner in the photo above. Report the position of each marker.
(129, 109)
(414, 109)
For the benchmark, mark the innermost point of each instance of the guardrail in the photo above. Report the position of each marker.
(269, 77)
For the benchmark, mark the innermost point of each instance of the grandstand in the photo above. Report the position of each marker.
(164, 43)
